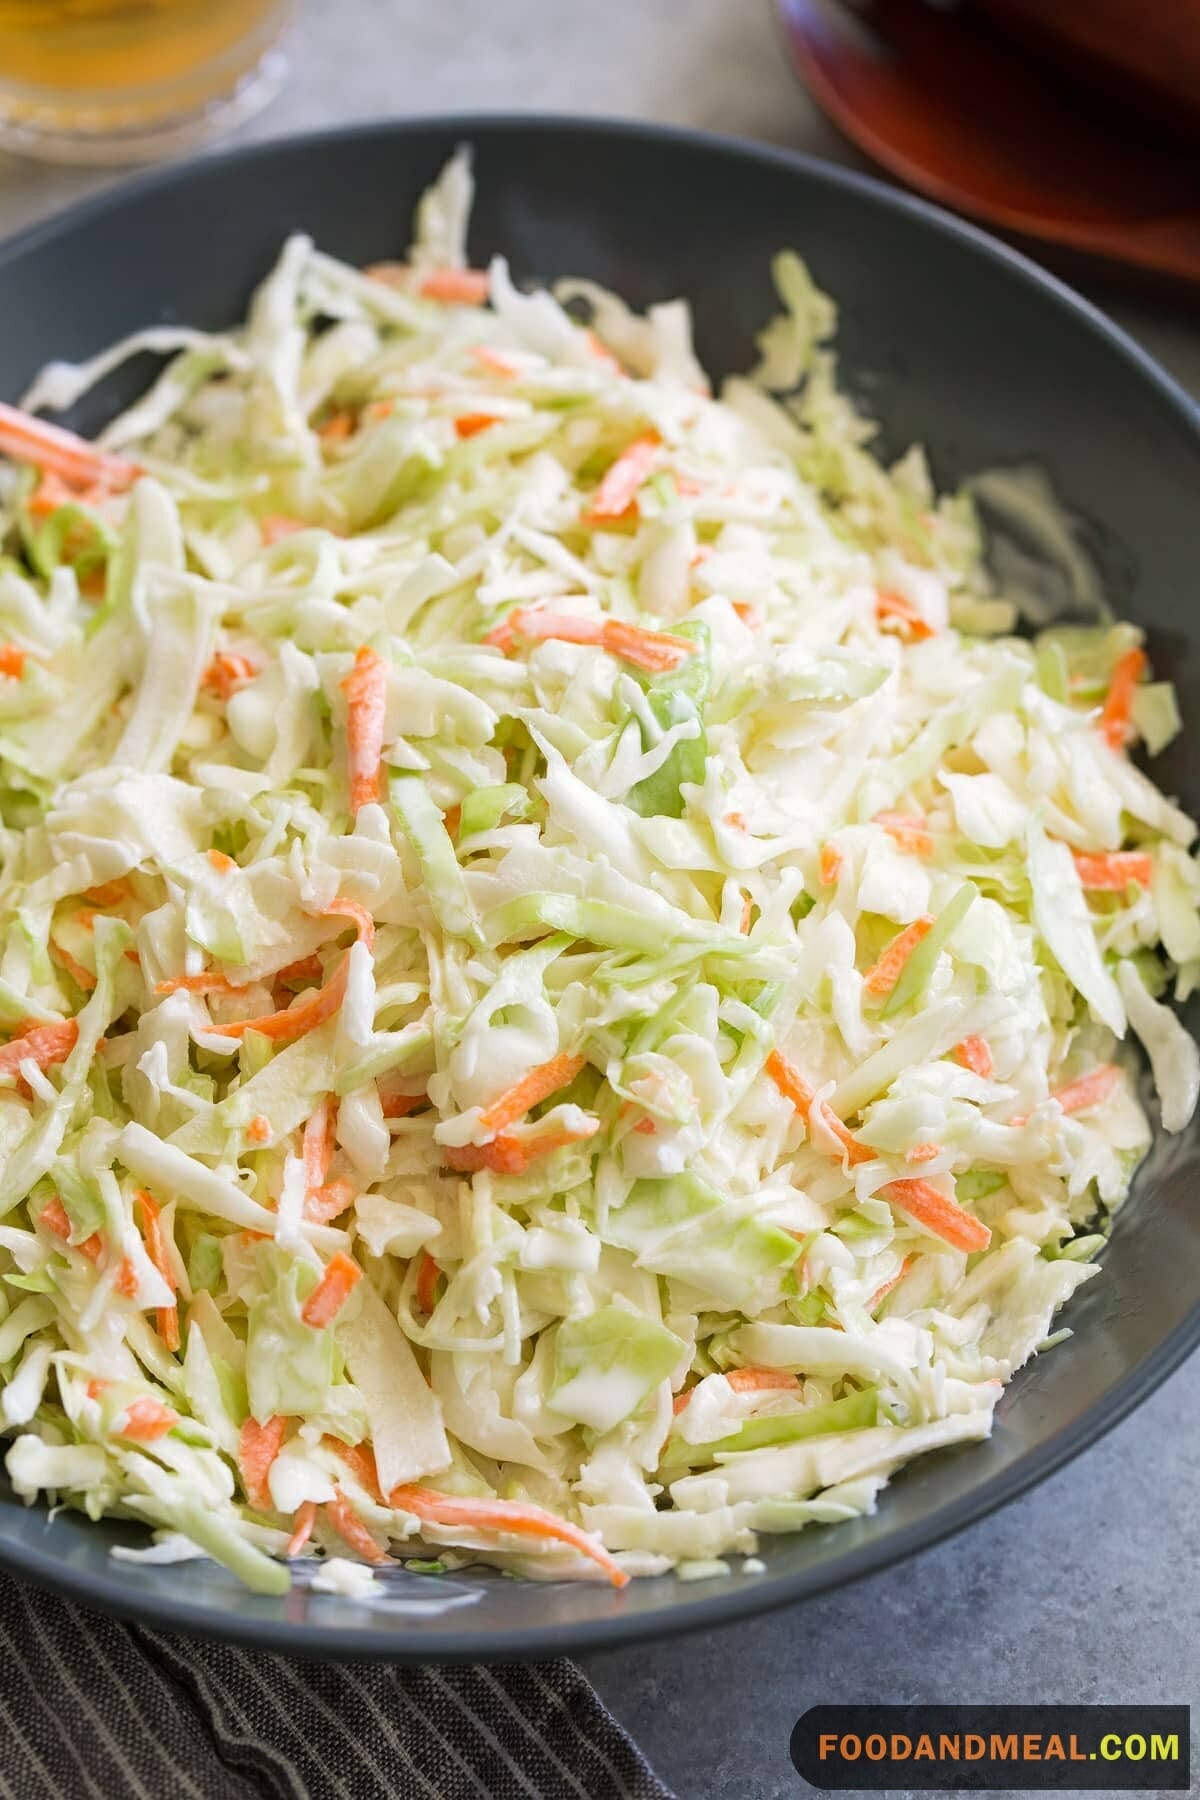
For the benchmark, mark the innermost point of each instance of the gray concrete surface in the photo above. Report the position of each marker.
(1085, 1590)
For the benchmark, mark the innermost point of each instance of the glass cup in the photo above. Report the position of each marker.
(118, 81)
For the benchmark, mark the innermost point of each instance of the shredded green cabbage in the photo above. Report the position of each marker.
(507, 859)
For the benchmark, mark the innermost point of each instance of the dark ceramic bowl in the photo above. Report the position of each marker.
(949, 338)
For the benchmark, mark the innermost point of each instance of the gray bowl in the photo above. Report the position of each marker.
(949, 338)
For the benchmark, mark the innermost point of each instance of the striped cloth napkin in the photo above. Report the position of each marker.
(92, 1706)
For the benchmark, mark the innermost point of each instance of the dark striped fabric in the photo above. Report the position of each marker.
(91, 1706)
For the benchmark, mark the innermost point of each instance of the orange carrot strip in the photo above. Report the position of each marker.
(830, 866)
(336, 1285)
(306, 1518)
(885, 1287)
(166, 1318)
(537, 1085)
(883, 976)
(337, 428)
(1115, 870)
(680, 1401)
(975, 1053)
(226, 673)
(461, 287)
(62, 453)
(12, 660)
(277, 526)
(126, 1282)
(258, 1446)
(907, 830)
(493, 361)
(930, 1208)
(210, 982)
(893, 610)
(50, 493)
(1088, 1090)
(223, 864)
(427, 1279)
(365, 688)
(1118, 703)
(397, 1105)
(351, 1530)
(656, 651)
(321, 1204)
(317, 1144)
(41, 1044)
(55, 1218)
(350, 909)
(360, 1460)
(747, 915)
(617, 492)
(469, 425)
(307, 968)
(508, 1154)
(750, 1381)
(145, 1420)
(109, 893)
(922, 1153)
(258, 1131)
(305, 1015)
(512, 1517)
(81, 976)
(793, 1087)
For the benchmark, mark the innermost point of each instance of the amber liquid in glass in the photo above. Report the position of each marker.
(125, 70)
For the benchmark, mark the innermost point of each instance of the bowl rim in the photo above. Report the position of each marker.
(761, 1594)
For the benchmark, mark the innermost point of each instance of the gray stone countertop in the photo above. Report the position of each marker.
(1085, 1589)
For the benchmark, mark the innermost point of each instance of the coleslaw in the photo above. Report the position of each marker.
(568, 978)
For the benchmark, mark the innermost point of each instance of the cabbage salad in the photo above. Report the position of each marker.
(568, 982)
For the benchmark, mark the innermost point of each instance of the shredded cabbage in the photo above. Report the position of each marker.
(560, 961)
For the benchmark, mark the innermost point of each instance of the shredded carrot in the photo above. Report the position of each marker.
(747, 915)
(1115, 870)
(469, 425)
(736, 819)
(166, 1318)
(337, 428)
(109, 893)
(750, 1381)
(258, 1446)
(1118, 705)
(945, 1218)
(321, 1204)
(317, 1144)
(50, 493)
(305, 1015)
(360, 1460)
(452, 819)
(793, 1087)
(680, 1401)
(365, 688)
(145, 1420)
(351, 1530)
(96, 1386)
(537, 1085)
(222, 863)
(55, 1218)
(61, 453)
(1088, 1090)
(907, 830)
(336, 1285)
(258, 1131)
(428, 1275)
(226, 673)
(894, 612)
(508, 1154)
(40, 1044)
(885, 1287)
(364, 924)
(378, 409)
(831, 864)
(13, 660)
(81, 976)
(398, 1105)
(277, 526)
(656, 651)
(975, 1053)
(126, 1282)
(511, 1517)
(493, 361)
(923, 1153)
(305, 1519)
(883, 976)
(616, 496)
(461, 287)
(210, 982)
